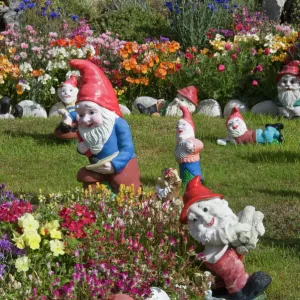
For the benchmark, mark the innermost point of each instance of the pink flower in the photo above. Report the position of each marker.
(52, 34)
(29, 27)
(254, 83)
(234, 57)
(24, 45)
(253, 51)
(17, 57)
(221, 68)
(259, 68)
(227, 46)
(267, 51)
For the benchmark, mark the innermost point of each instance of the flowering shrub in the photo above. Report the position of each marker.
(100, 245)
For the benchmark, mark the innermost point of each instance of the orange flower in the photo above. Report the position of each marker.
(129, 79)
(144, 69)
(12, 50)
(19, 89)
(37, 73)
(1, 37)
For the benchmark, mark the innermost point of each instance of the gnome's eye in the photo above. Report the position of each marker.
(81, 115)
(194, 219)
(293, 81)
(205, 209)
(91, 112)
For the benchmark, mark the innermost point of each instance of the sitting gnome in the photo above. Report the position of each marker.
(9, 112)
(238, 133)
(212, 223)
(67, 129)
(288, 86)
(187, 148)
(185, 97)
(104, 136)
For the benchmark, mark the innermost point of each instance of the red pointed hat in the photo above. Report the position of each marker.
(190, 93)
(72, 81)
(195, 192)
(95, 86)
(291, 68)
(235, 113)
(187, 117)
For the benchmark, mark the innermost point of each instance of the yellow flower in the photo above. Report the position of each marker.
(32, 238)
(18, 239)
(22, 264)
(57, 247)
(27, 222)
(55, 234)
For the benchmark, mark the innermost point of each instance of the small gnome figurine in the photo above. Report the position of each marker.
(238, 133)
(288, 86)
(185, 97)
(67, 129)
(168, 185)
(212, 223)
(187, 148)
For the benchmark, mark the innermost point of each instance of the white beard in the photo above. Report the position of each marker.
(288, 97)
(96, 137)
(173, 109)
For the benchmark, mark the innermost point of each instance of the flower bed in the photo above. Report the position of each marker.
(82, 245)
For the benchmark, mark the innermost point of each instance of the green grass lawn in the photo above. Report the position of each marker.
(267, 177)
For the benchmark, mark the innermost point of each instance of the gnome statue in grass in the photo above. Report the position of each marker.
(187, 148)
(238, 133)
(185, 97)
(67, 129)
(213, 224)
(104, 136)
(288, 86)
(9, 112)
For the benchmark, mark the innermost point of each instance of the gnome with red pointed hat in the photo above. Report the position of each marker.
(185, 97)
(238, 133)
(104, 136)
(212, 223)
(288, 87)
(67, 93)
(187, 148)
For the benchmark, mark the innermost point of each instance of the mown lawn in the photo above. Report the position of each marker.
(32, 159)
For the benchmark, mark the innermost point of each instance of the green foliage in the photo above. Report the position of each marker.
(135, 23)
(295, 13)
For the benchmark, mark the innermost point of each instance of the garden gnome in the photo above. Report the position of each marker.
(288, 86)
(104, 136)
(212, 223)
(185, 97)
(187, 148)
(6, 111)
(238, 133)
(67, 129)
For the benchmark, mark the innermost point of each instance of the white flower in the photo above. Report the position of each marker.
(52, 90)
(44, 78)
(89, 49)
(70, 73)
(25, 67)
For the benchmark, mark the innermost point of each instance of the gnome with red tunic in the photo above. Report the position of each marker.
(104, 136)
(186, 97)
(288, 87)
(238, 133)
(212, 223)
(187, 148)
(67, 93)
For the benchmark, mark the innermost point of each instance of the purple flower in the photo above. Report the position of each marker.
(74, 17)
(2, 269)
(163, 39)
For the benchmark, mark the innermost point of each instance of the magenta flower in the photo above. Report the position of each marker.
(234, 57)
(227, 46)
(221, 68)
(267, 51)
(254, 83)
(259, 68)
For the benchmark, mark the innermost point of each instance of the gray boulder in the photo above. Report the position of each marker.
(124, 110)
(267, 107)
(210, 108)
(232, 103)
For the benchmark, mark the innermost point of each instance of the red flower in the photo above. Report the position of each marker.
(11, 211)
(267, 51)
(239, 27)
(234, 57)
(178, 67)
(189, 56)
(209, 35)
(221, 68)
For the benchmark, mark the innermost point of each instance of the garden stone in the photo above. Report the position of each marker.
(185, 97)
(67, 129)
(103, 135)
(267, 107)
(124, 110)
(32, 109)
(210, 108)
(231, 104)
(158, 294)
(204, 209)
(238, 133)
(274, 9)
(187, 148)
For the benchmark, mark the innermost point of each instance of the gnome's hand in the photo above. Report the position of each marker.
(107, 168)
(242, 227)
(222, 142)
(189, 146)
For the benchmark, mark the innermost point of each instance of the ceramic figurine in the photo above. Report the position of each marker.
(67, 129)
(32, 109)
(168, 185)
(213, 224)
(288, 86)
(187, 148)
(238, 133)
(7, 112)
(104, 136)
(185, 97)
